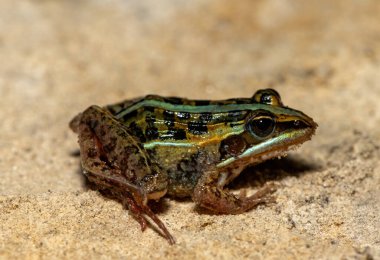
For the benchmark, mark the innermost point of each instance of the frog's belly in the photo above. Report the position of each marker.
(184, 166)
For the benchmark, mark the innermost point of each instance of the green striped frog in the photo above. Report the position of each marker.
(145, 148)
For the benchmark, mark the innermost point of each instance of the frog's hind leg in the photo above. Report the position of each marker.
(107, 161)
(210, 195)
(137, 210)
(132, 197)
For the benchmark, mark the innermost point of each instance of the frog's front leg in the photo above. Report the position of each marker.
(209, 193)
(113, 159)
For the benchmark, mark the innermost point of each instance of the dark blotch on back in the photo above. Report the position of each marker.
(150, 120)
(176, 134)
(129, 115)
(168, 115)
(183, 115)
(149, 109)
(179, 134)
(137, 131)
(197, 128)
(234, 116)
(205, 117)
(151, 133)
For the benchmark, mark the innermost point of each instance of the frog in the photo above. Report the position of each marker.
(145, 148)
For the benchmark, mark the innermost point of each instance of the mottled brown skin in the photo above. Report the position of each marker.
(114, 157)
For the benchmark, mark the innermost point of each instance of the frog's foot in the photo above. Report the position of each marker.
(158, 222)
(138, 212)
(131, 196)
(222, 201)
(263, 195)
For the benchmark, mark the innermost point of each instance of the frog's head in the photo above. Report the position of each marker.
(270, 129)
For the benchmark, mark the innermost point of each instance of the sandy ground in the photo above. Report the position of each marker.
(59, 57)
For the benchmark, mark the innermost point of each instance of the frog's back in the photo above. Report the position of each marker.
(173, 121)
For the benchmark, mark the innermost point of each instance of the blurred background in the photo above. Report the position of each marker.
(59, 57)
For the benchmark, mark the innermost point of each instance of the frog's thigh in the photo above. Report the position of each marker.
(210, 195)
(103, 140)
(96, 168)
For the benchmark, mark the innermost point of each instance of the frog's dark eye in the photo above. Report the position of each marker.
(261, 126)
(268, 96)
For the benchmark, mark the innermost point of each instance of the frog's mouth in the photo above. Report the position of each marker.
(277, 146)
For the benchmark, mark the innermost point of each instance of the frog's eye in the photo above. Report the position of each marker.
(261, 125)
(268, 96)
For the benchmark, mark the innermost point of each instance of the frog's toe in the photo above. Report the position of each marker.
(268, 189)
(142, 221)
(159, 223)
(140, 210)
(136, 212)
(263, 195)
